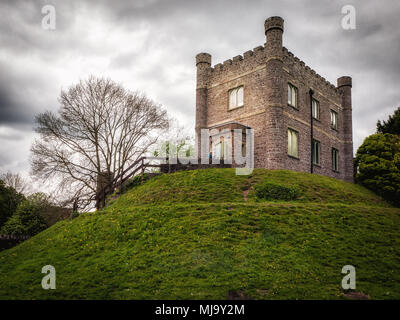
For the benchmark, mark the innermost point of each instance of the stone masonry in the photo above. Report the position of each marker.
(264, 73)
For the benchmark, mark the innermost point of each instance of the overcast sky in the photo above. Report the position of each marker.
(150, 45)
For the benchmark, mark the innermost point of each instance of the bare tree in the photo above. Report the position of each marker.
(99, 130)
(16, 181)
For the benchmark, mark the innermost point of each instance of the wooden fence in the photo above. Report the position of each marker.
(8, 241)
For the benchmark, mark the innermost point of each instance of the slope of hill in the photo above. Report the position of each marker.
(201, 234)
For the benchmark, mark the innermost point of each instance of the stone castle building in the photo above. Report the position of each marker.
(301, 121)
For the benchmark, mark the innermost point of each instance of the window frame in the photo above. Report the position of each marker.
(296, 90)
(333, 112)
(318, 109)
(297, 141)
(236, 91)
(313, 150)
(335, 159)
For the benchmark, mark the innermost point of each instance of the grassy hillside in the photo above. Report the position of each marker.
(200, 234)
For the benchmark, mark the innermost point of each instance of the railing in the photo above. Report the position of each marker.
(12, 237)
(139, 166)
(8, 241)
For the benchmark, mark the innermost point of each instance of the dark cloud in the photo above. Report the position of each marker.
(22, 94)
(150, 45)
(10, 111)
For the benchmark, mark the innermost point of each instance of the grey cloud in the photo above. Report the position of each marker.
(21, 94)
(150, 45)
(4, 159)
(12, 111)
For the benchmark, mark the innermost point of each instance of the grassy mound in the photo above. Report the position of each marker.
(193, 235)
(222, 185)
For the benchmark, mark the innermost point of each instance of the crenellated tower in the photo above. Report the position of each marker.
(344, 85)
(267, 89)
(274, 122)
(203, 65)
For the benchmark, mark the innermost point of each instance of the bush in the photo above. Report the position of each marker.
(9, 201)
(392, 125)
(27, 219)
(135, 181)
(74, 214)
(378, 166)
(272, 191)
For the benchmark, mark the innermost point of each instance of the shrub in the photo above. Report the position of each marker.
(272, 191)
(9, 201)
(74, 214)
(27, 219)
(378, 166)
(392, 125)
(135, 181)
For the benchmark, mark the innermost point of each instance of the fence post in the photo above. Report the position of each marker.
(120, 184)
(141, 178)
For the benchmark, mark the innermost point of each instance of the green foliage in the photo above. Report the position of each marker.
(192, 235)
(378, 163)
(135, 181)
(74, 214)
(9, 201)
(273, 191)
(392, 125)
(27, 219)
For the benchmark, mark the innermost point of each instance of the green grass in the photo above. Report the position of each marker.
(222, 185)
(191, 235)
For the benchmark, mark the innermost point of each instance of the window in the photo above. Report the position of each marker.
(316, 152)
(293, 143)
(292, 95)
(335, 159)
(315, 109)
(236, 97)
(334, 120)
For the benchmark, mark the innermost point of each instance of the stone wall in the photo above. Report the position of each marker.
(329, 98)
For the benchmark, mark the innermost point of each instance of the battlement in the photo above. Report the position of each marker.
(273, 23)
(344, 81)
(257, 56)
(295, 60)
(249, 59)
(203, 58)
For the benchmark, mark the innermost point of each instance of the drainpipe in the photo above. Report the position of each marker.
(311, 92)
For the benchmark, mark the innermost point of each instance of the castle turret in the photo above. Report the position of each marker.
(276, 146)
(344, 84)
(203, 64)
